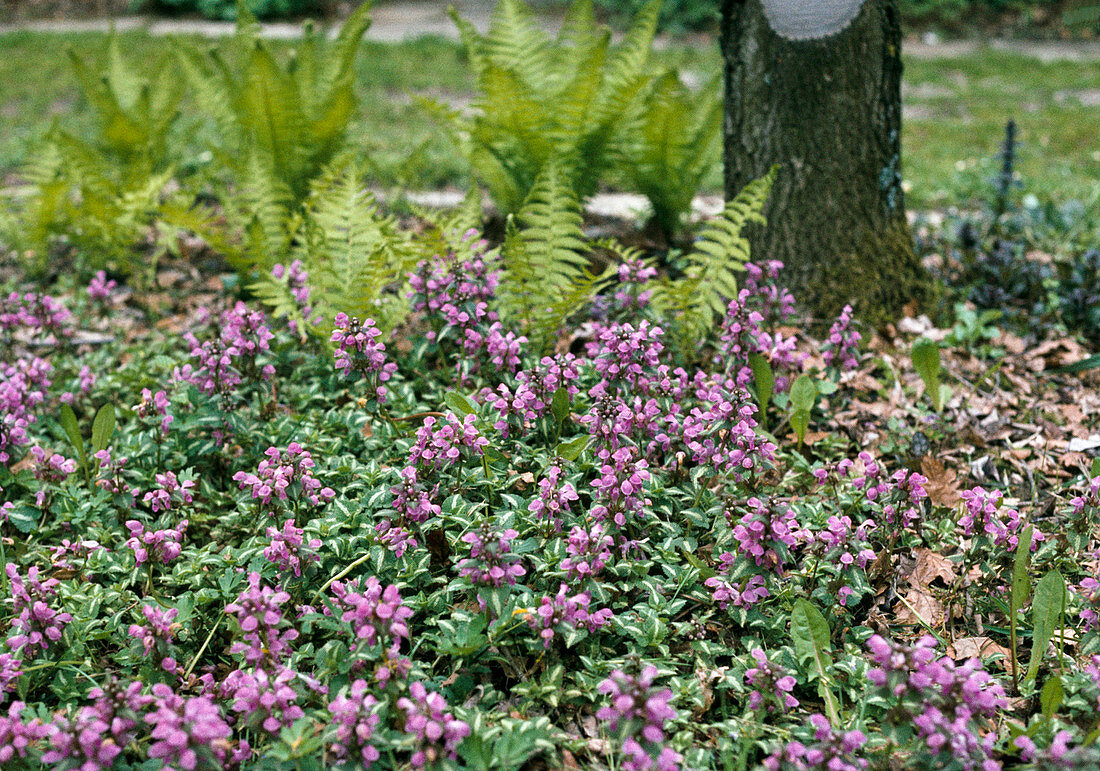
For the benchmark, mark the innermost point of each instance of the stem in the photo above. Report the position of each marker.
(344, 572)
(195, 660)
(1012, 642)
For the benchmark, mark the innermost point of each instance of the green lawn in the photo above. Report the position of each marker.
(955, 108)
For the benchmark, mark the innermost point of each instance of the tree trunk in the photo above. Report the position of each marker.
(829, 112)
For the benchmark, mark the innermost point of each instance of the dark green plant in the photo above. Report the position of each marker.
(281, 120)
(566, 101)
(105, 193)
(227, 9)
(673, 147)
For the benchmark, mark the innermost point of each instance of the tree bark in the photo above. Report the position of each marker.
(829, 112)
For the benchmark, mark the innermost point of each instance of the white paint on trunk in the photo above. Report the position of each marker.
(810, 19)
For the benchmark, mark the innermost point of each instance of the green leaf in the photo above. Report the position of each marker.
(1095, 468)
(460, 403)
(1051, 696)
(571, 449)
(763, 380)
(800, 422)
(926, 360)
(811, 637)
(1046, 613)
(560, 406)
(803, 394)
(72, 430)
(1021, 583)
(24, 517)
(103, 427)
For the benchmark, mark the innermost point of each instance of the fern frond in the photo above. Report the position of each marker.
(354, 255)
(696, 300)
(546, 277)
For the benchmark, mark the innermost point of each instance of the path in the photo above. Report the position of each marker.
(396, 21)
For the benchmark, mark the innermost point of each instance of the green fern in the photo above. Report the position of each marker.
(672, 148)
(695, 301)
(563, 102)
(356, 258)
(546, 276)
(295, 115)
(104, 195)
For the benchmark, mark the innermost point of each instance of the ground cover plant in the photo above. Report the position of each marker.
(293, 478)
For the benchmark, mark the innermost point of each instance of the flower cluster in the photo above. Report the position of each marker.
(625, 357)
(172, 493)
(285, 476)
(17, 734)
(946, 703)
(842, 345)
(555, 496)
(491, 561)
(589, 551)
(36, 623)
(166, 544)
(620, 487)
(38, 315)
(358, 351)
(983, 515)
(154, 407)
(101, 287)
(438, 448)
(23, 385)
(354, 719)
(770, 683)
(49, 469)
(633, 275)
(187, 729)
(533, 393)
(721, 434)
(561, 613)
(230, 358)
(638, 712)
(768, 533)
(377, 617)
(743, 594)
(830, 751)
(846, 548)
(297, 282)
(260, 616)
(437, 732)
(288, 548)
(96, 735)
(265, 700)
(161, 627)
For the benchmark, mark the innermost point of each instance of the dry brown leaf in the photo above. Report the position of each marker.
(919, 606)
(943, 484)
(929, 567)
(979, 648)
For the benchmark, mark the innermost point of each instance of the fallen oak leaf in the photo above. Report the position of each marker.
(919, 607)
(979, 648)
(931, 566)
(943, 484)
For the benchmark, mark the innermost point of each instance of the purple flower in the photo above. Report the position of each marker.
(172, 493)
(561, 613)
(554, 498)
(491, 562)
(288, 548)
(830, 750)
(354, 719)
(161, 627)
(17, 736)
(639, 711)
(187, 731)
(358, 350)
(771, 685)
(100, 287)
(589, 551)
(436, 732)
(165, 545)
(259, 613)
(842, 345)
(36, 623)
(285, 477)
(154, 407)
(267, 701)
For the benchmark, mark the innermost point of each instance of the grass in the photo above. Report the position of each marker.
(955, 112)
